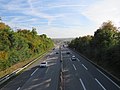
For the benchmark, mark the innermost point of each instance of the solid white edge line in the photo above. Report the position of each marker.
(18, 88)
(34, 71)
(108, 78)
(74, 67)
(84, 66)
(82, 84)
(100, 84)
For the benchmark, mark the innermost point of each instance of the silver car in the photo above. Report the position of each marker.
(44, 64)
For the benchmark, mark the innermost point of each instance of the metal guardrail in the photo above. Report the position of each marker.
(14, 73)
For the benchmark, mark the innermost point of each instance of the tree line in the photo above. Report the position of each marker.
(20, 45)
(103, 47)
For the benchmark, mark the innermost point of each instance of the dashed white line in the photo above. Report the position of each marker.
(34, 71)
(70, 60)
(82, 84)
(100, 84)
(46, 70)
(18, 88)
(74, 67)
(84, 66)
(109, 78)
(78, 59)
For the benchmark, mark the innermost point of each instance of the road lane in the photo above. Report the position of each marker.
(106, 82)
(71, 82)
(36, 78)
(77, 75)
(88, 75)
(46, 80)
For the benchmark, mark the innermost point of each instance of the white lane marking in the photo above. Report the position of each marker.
(70, 60)
(74, 67)
(46, 70)
(100, 84)
(18, 88)
(84, 66)
(82, 84)
(78, 59)
(34, 71)
(108, 78)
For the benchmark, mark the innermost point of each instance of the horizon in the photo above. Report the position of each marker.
(60, 18)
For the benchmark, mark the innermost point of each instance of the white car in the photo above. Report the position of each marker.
(43, 64)
(73, 58)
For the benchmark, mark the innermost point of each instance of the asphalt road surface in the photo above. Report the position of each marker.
(77, 75)
(82, 75)
(36, 78)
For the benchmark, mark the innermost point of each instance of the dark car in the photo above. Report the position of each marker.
(57, 53)
(67, 52)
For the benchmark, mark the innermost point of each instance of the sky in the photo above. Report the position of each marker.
(60, 18)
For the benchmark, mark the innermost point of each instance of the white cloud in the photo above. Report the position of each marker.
(29, 8)
(65, 5)
(104, 10)
(37, 12)
(66, 32)
(61, 18)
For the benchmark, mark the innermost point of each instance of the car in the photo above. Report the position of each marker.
(44, 64)
(57, 53)
(73, 58)
(67, 52)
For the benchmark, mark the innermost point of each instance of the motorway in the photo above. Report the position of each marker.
(77, 75)
(82, 75)
(36, 78)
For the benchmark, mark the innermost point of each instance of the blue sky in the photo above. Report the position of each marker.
(60, 18)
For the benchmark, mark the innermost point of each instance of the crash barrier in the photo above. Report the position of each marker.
(14, 73)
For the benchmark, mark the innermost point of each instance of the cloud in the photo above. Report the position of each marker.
(65, 5)
(60, 18)
(104, 10)
(28, 8)
(64, 32)
(37, 12)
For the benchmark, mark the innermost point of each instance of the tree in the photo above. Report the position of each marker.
(21, 45)
(34, 31)
(105, 36)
